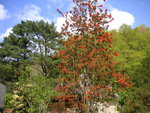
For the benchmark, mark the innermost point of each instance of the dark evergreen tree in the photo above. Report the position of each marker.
(45, 43)
(14, 56)
(30, 43)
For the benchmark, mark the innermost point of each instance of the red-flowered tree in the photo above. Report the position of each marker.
(87, 66)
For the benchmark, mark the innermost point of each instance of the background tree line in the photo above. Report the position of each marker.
(133, 46)
(28, 51)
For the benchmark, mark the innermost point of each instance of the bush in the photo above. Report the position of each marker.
(31, 96)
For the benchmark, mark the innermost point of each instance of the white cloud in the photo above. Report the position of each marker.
(59, 22)
(32, 12)
(3, 13)
(8, 31)
(121, 17)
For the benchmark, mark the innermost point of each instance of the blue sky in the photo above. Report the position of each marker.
(131, 12)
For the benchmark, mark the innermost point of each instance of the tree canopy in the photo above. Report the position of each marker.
(31, 44)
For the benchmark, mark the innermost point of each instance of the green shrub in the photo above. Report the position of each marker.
(31, 96)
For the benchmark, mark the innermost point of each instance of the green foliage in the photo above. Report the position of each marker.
(31, 96)
(13, 57)
(137, 102)
(130, 46)
(45, 43)
(30, 44)
(133, 47)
